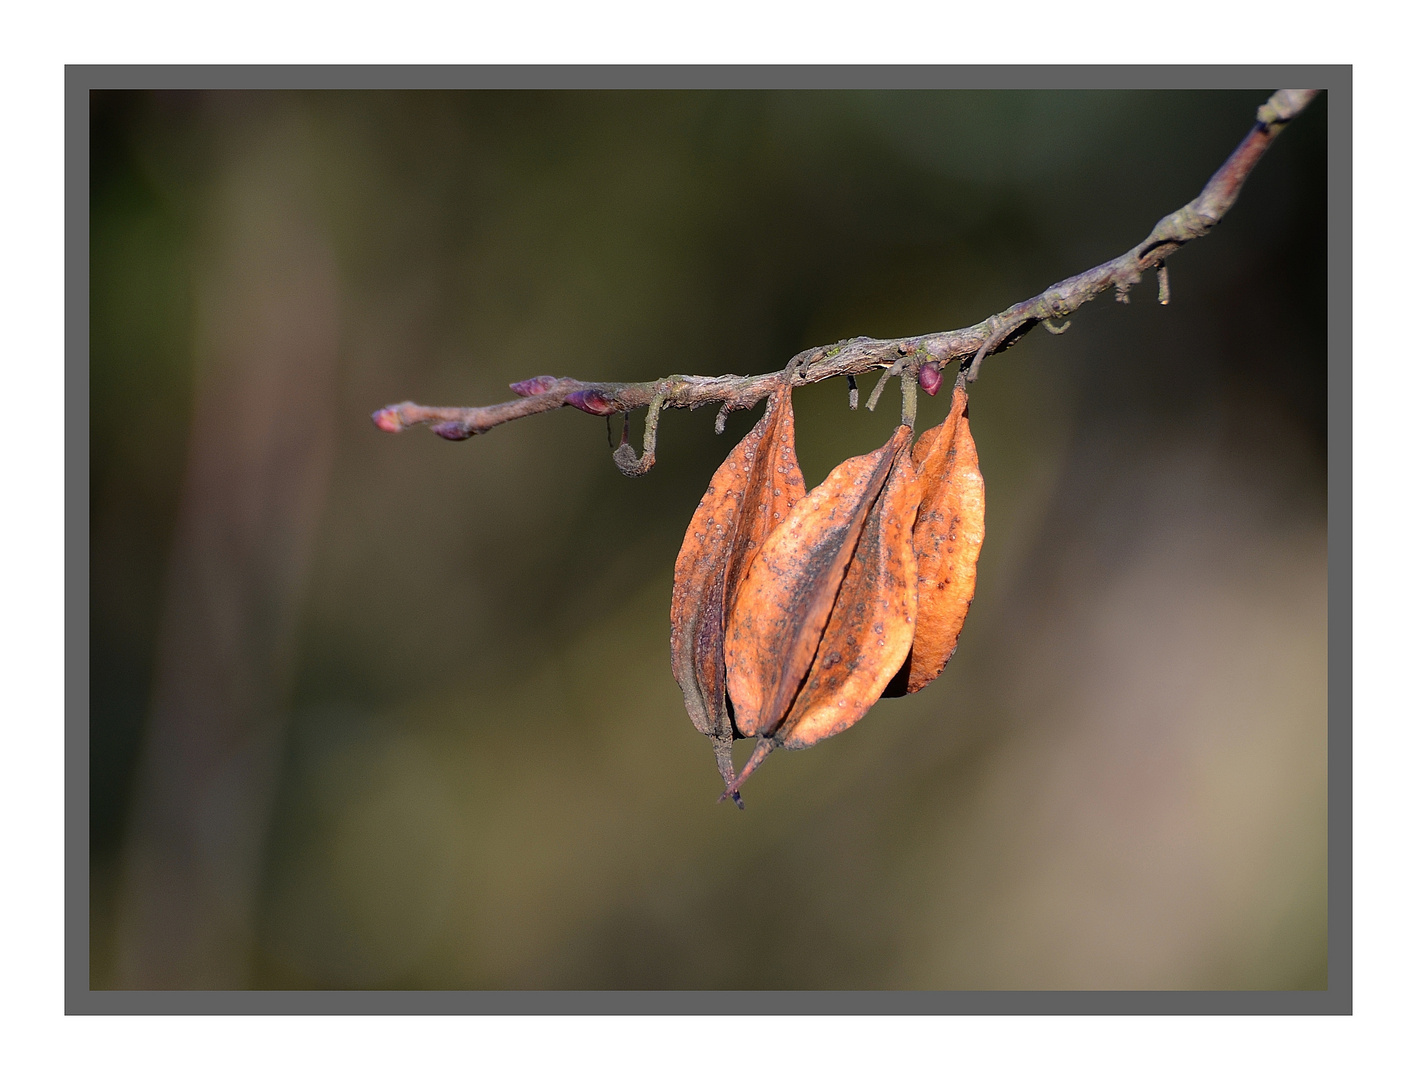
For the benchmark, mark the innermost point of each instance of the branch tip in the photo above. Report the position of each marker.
(387, 419)
(1283, 106)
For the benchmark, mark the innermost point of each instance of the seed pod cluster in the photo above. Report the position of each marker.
(794, 613)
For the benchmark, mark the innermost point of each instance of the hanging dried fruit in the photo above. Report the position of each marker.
(751, 493)
(949, 532)
(826, 614)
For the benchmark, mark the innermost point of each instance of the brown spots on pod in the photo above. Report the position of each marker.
(949, 532)
(752, 491)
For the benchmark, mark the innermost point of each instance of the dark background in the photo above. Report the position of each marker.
(375, 711)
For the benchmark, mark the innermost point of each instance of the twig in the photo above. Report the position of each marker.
(900, 356)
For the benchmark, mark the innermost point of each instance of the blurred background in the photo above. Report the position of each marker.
(387, 711)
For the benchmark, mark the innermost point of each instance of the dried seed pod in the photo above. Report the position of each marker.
(752, 492)
(949, 532)
(872, 623)
(825, 616)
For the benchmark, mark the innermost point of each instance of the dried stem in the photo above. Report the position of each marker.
(900, 356)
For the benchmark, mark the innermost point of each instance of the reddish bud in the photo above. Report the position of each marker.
(388, 420)
(593, 402)
(537, 385)
(930, 377)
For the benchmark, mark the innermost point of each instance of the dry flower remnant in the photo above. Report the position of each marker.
(751, 494)
(792, 614)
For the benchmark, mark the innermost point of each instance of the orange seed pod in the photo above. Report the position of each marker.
(949, 532)
(825, 616)
(751, 493)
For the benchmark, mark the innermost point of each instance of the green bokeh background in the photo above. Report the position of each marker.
(468, 763)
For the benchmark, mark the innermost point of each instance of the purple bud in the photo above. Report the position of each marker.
(453, 430)
(593, 402)
(930, 377)
(533, 386)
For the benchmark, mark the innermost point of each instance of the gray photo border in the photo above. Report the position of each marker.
(1337, 80)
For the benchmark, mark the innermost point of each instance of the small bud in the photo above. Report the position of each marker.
(533, 386)
(930, 377)
(453, 430)
(387, 420)
(593, 402)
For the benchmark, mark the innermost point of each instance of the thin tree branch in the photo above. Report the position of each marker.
(901, 356)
